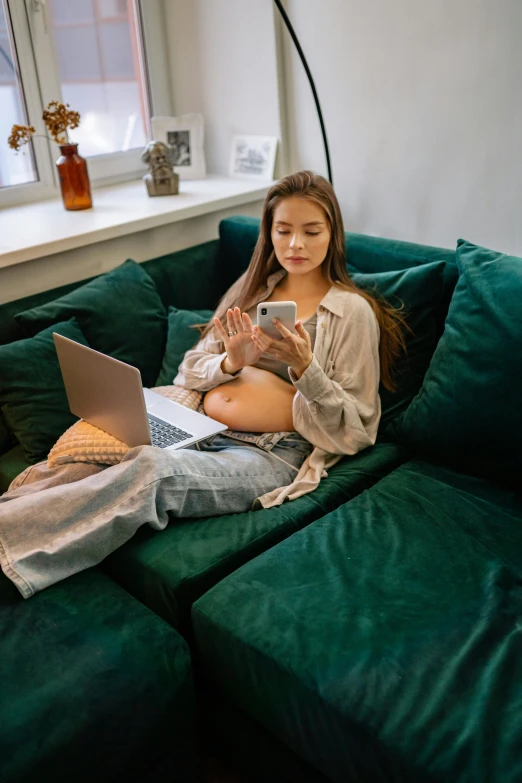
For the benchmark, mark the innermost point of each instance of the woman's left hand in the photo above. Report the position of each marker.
(294, 349)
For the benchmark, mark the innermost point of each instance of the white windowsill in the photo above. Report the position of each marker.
(36, 230)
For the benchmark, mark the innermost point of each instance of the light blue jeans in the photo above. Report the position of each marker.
(55, 522)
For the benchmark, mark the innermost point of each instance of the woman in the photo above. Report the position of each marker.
(293, 407)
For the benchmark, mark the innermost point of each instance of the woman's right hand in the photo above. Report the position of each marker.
(241, 349)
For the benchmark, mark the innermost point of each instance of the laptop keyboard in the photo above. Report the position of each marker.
(163, 434)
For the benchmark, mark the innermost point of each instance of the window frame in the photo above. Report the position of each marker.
(41, 84)
(46, 185)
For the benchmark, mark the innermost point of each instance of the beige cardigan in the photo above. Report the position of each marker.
(337, 406)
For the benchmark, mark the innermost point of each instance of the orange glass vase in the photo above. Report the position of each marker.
(74, 178)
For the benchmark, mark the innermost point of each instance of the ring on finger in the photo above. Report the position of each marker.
(231, 332)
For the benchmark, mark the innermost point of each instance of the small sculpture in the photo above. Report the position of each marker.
(161, 179)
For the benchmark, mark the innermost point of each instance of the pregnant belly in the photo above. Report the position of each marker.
(256, 401)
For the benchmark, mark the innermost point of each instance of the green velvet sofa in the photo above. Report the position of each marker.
(264, 599)
(383, 642)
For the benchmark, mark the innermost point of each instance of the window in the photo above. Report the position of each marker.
(100, 70)
(14, 169)
(92, 55)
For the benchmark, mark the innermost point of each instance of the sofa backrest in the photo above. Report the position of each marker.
(238, 236)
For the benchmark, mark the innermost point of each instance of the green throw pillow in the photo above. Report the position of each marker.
(469, 409)
(181, 337)
(32, 394)
(419, 288)
(120, 313)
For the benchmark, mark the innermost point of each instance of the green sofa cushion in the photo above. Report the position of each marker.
(94, 686)
(375, 254)
(189, 278)
(469, 409)
(419, 289)
(120, 313)
(12, 463)
(181, 336)
(237, 238)
(11, 330)
(382, 643)
(32, 394)
(168, 570)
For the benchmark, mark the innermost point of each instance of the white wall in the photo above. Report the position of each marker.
(222, 64)
(421, 102)
(423, 110)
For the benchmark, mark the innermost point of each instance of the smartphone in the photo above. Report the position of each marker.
(285, 311)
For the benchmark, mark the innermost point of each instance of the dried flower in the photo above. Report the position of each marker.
(20, 135)
(58, 118)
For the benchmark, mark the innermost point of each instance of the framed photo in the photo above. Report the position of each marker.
(253, 157)
(185, 136)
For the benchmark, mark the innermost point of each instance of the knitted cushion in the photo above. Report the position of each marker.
(85, 443)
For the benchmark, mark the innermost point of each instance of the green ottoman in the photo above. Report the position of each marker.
(169, 570)
(93, 686)
(384, 641)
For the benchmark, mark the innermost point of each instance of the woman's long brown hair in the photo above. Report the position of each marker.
(314, 188)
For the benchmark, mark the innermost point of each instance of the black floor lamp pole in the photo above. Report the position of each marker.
(312, 85)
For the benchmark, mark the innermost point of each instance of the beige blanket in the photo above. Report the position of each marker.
(85, 443)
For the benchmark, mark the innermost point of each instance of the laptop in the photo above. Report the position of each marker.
(109, 394)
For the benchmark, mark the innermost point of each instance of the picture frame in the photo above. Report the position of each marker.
(185, 136)
(253, 157)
